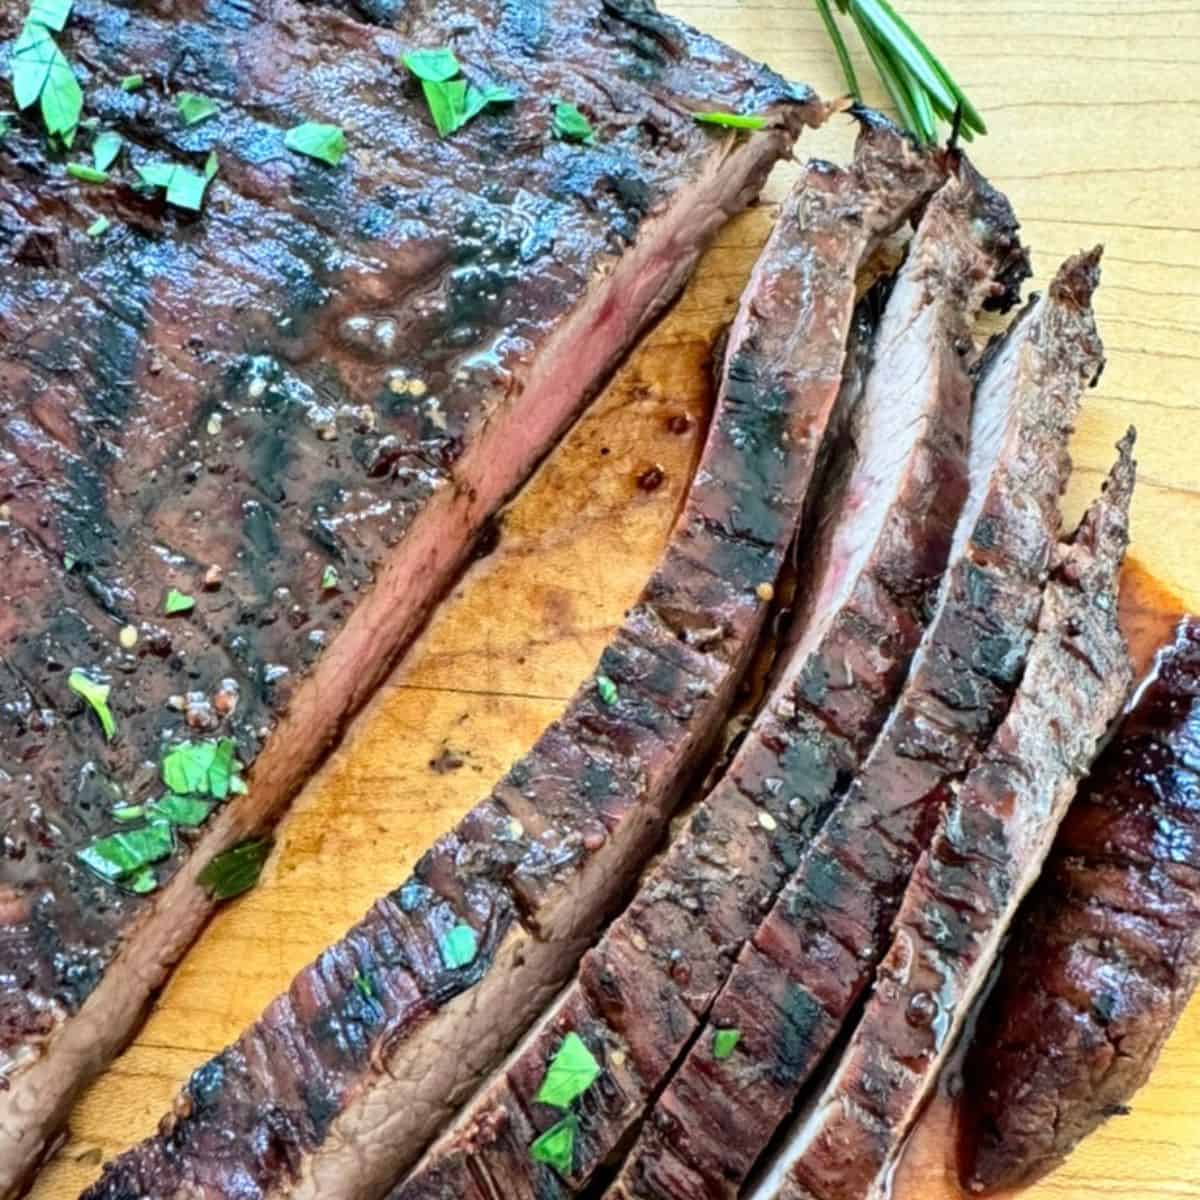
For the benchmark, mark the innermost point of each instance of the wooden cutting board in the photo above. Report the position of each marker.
(1096, 137)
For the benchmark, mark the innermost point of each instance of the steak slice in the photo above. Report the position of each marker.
(349, 1073)
(992, 838)
(297, 408)
(641, 993)
(798, 980)
(1107, 950)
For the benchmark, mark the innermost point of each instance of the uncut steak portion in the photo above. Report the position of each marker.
(993, 836)
(297, 407)
(798, 980)
(1106, 954)
(641, 993)
(357, 1066)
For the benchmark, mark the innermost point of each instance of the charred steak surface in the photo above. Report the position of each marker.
(296, 408)
(1106, 954)
(349, 1074)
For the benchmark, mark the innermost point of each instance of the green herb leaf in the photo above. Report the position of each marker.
(144, 881)
(329, 579)
(434, 66)
(725, 1042)
(480, 98)
(447, 104)
(54, 14)
(212, 164)
(85, 173)
(122, 854)
(607, 690)
(326, 143)
(105, 149)
(194, 108)
(840, 48)
(236, 871)
(131, 83)
(178, 602)
(571, 1072)
(556, 1147)
(459, 947)
(40, 71)
(186, 811)
(96, 694)
(571, 125)
(364, 985)
(730, 120)
(185, 188)
(201, 768)
(99, 227)
(129, 812)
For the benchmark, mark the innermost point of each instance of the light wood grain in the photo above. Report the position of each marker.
(1096, 137)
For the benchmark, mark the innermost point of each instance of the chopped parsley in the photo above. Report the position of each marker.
(185, 811)
(570, 125)
(144, 881)
(725, 1042)
(95, 694)
(364, 985)
(556, 1147)
(193, 108)
(131, 83)
(452, 101)
(730, 120)
(178, 602)
(121, 855)
(607, 690)
(571, 1072)
(236, 871)
(105, 149)
(329, 579)
(459, 947)
(41, 72)
(86, 174)
(128, 812)
(99, 227)
(53, 14)
(184, 187)
(326, 143)
(203, 769)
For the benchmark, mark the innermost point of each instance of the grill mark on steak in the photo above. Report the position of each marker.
(503, 306)
(1107, 950)
(992, 838)
(798, 980)
(641, 993)
(342, 1082)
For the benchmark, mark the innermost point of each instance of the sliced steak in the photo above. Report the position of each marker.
(992, 838)
(348, 1074)
(297, 408)
(641, 993)
(1106, 953)
(797, 981)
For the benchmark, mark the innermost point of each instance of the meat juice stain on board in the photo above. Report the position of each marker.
(1150, 612)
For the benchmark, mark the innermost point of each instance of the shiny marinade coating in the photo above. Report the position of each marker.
(797, 982)
(1106, 954)
(993, 835)
(641, 993)
(326, 368)
(349, 1073)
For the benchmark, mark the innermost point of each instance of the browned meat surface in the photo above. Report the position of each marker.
(350, 1073)
(1106, 953)
(642, 992)
(798, 980)
(297, 407)
(993, 835)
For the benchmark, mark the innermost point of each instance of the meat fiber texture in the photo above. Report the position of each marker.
(1106, 953)
(798, 981)
(350, 1073)
(642, 992)
(993, 836)
(296, 407)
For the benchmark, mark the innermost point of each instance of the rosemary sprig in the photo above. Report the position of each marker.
(920, 87)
